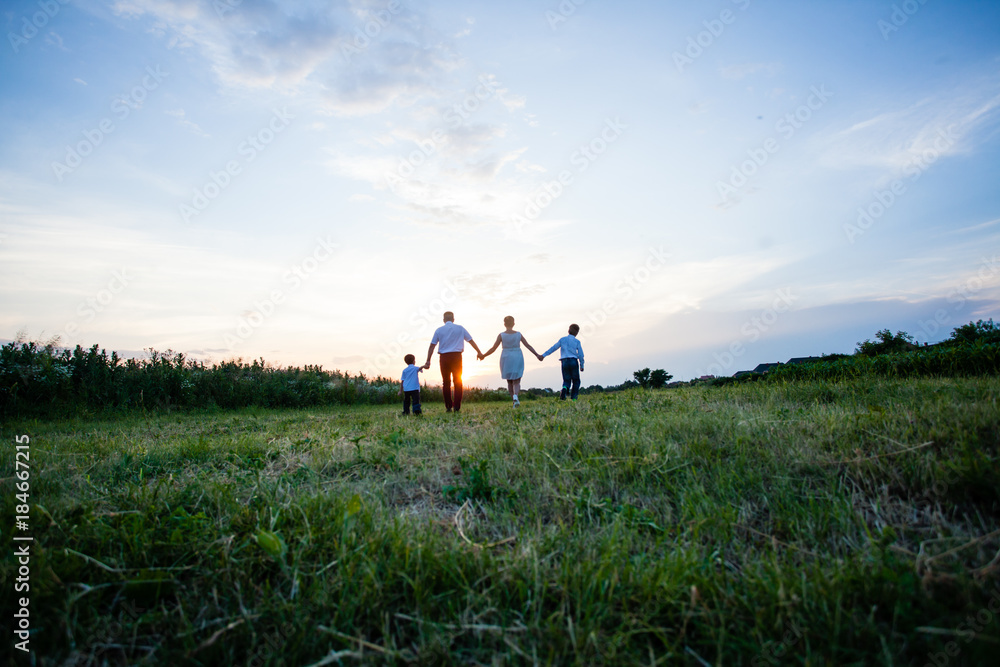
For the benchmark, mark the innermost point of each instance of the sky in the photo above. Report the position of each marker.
(701, 186)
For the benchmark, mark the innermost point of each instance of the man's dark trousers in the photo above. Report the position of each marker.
(451, 367)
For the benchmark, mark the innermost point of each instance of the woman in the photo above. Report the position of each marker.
(511, 359)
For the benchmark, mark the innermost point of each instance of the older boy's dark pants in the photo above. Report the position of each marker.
(571, 376)
(451, 369)
(411, 396)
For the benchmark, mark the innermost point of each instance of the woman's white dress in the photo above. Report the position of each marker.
(511, 358)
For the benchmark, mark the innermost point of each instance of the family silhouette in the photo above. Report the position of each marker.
(450, 339)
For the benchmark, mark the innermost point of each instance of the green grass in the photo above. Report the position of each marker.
(756, 524)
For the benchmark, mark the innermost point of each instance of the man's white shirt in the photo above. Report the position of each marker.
(450, 337)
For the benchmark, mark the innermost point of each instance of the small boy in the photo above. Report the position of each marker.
(410, 385)
(571, 354)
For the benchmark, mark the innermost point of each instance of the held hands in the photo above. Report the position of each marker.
(540, 357)
(480, 356)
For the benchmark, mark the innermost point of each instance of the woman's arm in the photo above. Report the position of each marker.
(528, 345)
(495, 346)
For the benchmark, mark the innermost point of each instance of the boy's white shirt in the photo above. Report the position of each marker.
(569, 348)
(416, 376)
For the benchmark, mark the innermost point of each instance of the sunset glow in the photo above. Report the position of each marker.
(701, 187)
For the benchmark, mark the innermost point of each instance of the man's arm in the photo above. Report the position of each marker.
(430, 353)
(579, 349)
(468, 337)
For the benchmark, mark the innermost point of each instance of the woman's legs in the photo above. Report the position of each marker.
(510, 387)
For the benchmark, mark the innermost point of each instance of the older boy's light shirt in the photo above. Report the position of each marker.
(451, 337)
(569, 348)
(411, 381)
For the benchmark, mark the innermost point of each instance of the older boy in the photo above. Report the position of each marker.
(571, 354)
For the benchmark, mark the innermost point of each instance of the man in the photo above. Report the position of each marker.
(452, 338)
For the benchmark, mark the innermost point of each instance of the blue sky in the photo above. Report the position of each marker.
(703, 186)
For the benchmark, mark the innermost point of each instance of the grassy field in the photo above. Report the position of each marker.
(755, 524)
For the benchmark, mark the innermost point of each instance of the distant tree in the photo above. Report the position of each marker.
(659, 378)
(987, 332)
(887, 343)
(642, 377)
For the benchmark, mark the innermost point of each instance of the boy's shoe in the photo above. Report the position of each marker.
(562, 395)
(448, 410)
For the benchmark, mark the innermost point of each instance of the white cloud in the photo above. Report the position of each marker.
(744, 70)
(942, 125)
(182, 120)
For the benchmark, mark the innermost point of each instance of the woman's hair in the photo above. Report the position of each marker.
(508, 321)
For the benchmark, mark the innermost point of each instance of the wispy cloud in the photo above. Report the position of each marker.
(744, 70)
(252, 44)
(941, 125)
(182, 120)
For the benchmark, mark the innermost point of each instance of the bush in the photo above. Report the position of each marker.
(887, 343)
(975, 332)
(962, 360)
(40, 380)
(648, 379)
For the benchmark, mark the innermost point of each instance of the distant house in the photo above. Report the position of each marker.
(763, 368)
(739, 374)
(707, 377)
(803, 360)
